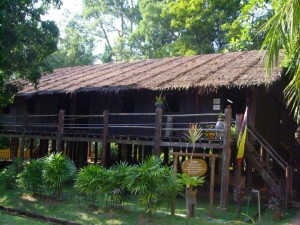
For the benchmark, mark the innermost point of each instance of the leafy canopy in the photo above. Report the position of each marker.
(75, 47)
(284, 32)
(26, 41)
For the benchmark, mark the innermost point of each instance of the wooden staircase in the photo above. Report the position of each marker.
(259, 162)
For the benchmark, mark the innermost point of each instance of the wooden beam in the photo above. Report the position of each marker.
(23, 140)
(31, 148)
(104, 139)
(60, 131)
(225, 160)
(158, 125)
(211, 188)
(96, 153)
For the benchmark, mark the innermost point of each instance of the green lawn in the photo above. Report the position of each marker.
(7, 219)
(76, 209)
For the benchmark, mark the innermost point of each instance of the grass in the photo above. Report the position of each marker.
(76, 209)
(7, 219)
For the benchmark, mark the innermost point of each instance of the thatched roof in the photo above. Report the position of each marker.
(208, 72)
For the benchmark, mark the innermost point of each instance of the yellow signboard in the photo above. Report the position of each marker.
(194, 167)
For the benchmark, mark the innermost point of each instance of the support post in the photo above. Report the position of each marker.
(287, 187)
(104, 138)
(23, 140)
(60, 131)
(53, 145)
(31, 148)
(225, 160)
(211, 188)
(158, 125)
(96, 153)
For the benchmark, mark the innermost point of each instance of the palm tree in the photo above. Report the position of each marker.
(284, 32)
(58, 170)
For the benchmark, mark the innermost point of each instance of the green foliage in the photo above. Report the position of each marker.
(283, 32)
(31, 178)
(152, 182)
(8, 176)
(154, 35)
(26, 40)
(114, 150)
(189, 181)
(57, 171)
(108, 18)
(115, 189)
(75, 48)
(193, 134)
(243, 34)
(199, 24)
(90, 180)
(160, 99)
(4, 142)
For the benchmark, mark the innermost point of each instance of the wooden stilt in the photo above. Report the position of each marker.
(226, 154)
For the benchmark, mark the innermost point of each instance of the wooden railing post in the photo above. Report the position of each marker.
(212, 184)
(96, 153)
(104, 138)
(24, 128)
(60, 131)
(288, 186)
(225, 160)
(158, 125)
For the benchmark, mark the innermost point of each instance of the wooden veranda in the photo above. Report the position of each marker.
(139, 134)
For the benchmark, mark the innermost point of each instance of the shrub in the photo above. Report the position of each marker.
(152, 182)
(57, 171)
(31, 179)
(89, 181)
(189, 181)
(115, 190)
(8, 176)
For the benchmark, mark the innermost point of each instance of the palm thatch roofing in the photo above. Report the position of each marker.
(206, 72)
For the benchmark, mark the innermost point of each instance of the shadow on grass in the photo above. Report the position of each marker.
(75, 208)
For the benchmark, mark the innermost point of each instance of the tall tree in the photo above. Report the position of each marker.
(26, 41)
(199, 22)
(116, 18)
(284, 32)
(154, 33)
(243, 34)
(75, 47)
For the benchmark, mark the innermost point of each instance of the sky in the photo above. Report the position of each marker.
(73, 6)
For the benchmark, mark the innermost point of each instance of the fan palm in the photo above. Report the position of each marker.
(152, 182)
(31, 179)
(89, 181)
(57, 171)
(284, 32)
(115, 188)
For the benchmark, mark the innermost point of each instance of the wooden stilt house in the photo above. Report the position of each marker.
(79, 109)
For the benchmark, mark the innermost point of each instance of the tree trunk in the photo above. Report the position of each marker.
(191, 193)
